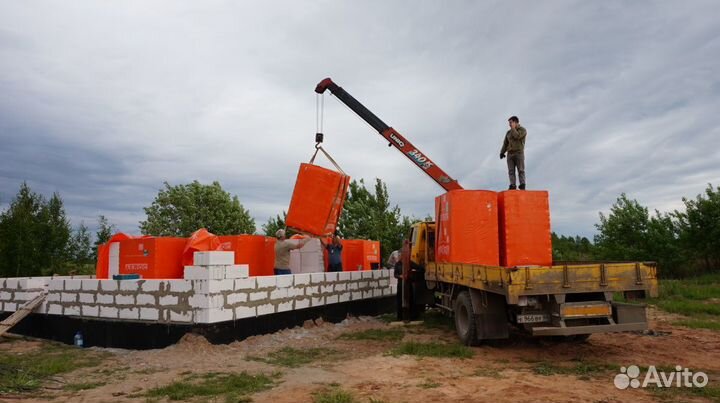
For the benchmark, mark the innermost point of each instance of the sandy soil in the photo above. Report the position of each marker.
(496, 373)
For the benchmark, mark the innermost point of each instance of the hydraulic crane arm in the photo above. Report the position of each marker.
(391, 135)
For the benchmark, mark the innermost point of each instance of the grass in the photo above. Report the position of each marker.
(333, 395)
(428, 384)
(387, 317)
(375, 335)
(709, 392)
(26, 372)
(232, 386)
(432, 350)
(434, 319)
(693, 298)
(293, 358)
(76, 387)
(581, 369)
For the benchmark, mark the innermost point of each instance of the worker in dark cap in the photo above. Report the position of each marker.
(514, 146)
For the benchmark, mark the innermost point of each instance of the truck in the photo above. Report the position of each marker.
(570, 300)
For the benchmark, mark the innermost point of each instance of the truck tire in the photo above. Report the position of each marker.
(465, 319)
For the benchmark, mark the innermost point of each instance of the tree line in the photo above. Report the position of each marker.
(683, 243)
(36, 237)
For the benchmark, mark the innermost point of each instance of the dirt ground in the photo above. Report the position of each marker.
(496, 373)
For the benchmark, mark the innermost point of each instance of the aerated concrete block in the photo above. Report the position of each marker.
(68, 297)
(245, 284)
(237, 297)
(56, 284)
(242, 312)
(331, 299)
(267, 281)
(265, 309)
(108, 285)
(167, 300)
(331, 276)
(237, 271)
(52, 297)
(108, 312)
(285, 306)
(284, 281)
(182, 317)
(87, 298)
(302, 303)
(317, 278)
(151, 285)
(129, 313)
(180, 285)
(129, 285)
(149, 314)
(213, 315)
(355, 275)
(90, 285)
(301, 279)
(52, 309)
(146, 299)
(213, 258)
(107, 299)
(279, 293)
(5, 296)
(204, 272)
(345, 275)
(72, 285)
(90, 311)
(125, 299)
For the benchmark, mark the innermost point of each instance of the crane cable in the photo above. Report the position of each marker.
(319, 117)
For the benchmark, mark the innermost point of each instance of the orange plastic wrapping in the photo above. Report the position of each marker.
(524, 228)
(200, 241)
(102, 266)
(360, 254)
(317, 200)
(467, 227)
(257, 251)
(158, 258)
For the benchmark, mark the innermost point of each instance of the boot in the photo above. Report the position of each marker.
(512, 187)
(522, 186)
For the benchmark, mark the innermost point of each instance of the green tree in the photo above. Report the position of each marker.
(623, 232)
(80, 250)
(34, 235)
(56, 234)
(104, 232)
(699, 227)
(275, 223)
(569, 248)
(181, 210)
(368, 215)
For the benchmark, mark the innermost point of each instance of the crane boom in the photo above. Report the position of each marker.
(391, 135)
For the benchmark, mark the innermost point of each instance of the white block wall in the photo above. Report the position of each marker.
(205, 300)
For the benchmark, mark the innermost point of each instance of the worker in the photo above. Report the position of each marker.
(283, 246)
(514, 145)
(334, 249)
(393, 259)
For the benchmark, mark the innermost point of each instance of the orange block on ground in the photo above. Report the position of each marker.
(317, 200)
(467, 227)
(158, 258)
(525, 228)
(256, 251)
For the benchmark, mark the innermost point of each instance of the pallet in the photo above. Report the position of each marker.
(21, 313)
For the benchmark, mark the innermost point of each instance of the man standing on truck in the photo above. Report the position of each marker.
(283, 246)
(514, 145)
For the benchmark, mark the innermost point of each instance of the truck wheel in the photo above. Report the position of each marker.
(465, 319)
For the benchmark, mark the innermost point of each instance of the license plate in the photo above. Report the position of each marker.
(533, 318)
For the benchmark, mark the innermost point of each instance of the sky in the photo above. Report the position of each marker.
(104, 102)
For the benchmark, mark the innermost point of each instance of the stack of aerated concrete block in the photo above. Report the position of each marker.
(215, 265)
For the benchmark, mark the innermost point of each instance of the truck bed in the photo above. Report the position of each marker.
(549, 280)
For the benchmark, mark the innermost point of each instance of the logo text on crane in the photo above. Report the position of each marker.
(397, 140)
(422, 161)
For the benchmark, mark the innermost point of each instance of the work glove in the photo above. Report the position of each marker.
(502, 155)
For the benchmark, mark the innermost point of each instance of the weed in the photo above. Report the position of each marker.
(292, 357)
(428, 384)
(433, 350)
(711, 393)
(234, 387)
(488, 373)
(375, 334)
(75, 387)
(25, 372)
(699, 324)
(434, 319)
(387, 317)
(582, 369)
(333, 395)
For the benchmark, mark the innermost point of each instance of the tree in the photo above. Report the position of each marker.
(181, 210)
(568, 248)
(699, 227)
(369, 215)
(275, 223)
(623, 232)
(80, 249)
(104, 233)
(34, 235)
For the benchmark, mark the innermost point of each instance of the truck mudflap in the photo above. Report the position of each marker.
(625, 318)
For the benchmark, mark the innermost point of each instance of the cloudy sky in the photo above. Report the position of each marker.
(102, 102)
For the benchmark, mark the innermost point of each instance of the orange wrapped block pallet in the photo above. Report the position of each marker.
(257, 251)
(360, 254)
(152, 257)
(467, 227)
(525, 228)
(317, 200)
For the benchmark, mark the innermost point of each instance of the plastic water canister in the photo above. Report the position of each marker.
(78, 339)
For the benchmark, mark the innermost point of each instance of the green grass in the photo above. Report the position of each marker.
(699, 324)
(488, 373)
(26, 372)
(75, 387)
(434, 319)
(692, 298)
(581, 369)
(333, 395)
(432, 350)
(709, 392)
(293, 358)
(428, 384)
(232, 386)
(375, 335)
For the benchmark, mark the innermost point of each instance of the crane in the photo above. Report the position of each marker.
(391, 135)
